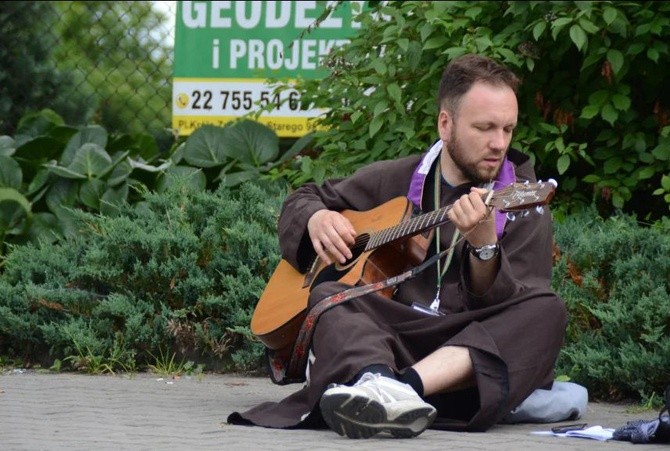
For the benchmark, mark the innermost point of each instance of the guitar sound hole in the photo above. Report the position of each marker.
(335, 271)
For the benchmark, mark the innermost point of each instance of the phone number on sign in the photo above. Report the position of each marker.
(227, 100)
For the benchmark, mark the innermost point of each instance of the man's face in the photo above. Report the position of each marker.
(477, 138)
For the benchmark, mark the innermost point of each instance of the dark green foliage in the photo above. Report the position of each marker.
(29, 79)
(593, 105)
(615, 278)
(182, 268)
(93, 61)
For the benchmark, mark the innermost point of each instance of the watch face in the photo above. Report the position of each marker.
(487, 253)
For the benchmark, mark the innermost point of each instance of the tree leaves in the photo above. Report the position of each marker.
(581, 63)
(578, 36)
(616, 59)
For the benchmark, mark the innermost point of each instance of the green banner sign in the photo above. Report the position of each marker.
(225, 51)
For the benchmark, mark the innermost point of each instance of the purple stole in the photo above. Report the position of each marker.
(505, 177)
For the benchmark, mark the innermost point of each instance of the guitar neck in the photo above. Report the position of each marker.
(408, 228)
(512, 198)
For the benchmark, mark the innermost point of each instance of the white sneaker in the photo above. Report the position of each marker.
(375, 404)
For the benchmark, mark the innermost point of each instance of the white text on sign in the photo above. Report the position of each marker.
(248, 14)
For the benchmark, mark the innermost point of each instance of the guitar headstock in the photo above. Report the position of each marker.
(522, 196)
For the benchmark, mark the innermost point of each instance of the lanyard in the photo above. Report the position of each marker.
(435, 305)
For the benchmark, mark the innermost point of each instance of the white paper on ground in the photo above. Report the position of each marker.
(593, 432)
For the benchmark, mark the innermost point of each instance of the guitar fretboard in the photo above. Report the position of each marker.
(511, 198)
(408, 228)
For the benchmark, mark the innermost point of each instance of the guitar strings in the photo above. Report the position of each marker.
(376, 236)
(416, 224)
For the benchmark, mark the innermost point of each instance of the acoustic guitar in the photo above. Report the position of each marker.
(389, 241)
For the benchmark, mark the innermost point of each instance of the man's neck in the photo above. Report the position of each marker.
(450, 173)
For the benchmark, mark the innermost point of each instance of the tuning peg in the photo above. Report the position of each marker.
(524, 213)
(539, 209)
(511, 216)
(552, 182)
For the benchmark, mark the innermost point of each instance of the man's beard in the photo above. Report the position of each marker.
(468, 169)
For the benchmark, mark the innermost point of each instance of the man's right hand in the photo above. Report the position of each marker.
(332, 235)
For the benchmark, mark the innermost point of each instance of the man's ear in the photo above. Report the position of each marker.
(444, 124)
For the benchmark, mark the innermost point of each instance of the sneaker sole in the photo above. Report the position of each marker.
(360, 417)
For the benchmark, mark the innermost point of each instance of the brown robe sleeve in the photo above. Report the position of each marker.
(526, 254)
(367, 188)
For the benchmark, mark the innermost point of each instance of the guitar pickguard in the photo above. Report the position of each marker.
(318, 273)
(329, 274)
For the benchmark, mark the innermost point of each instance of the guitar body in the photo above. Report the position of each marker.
(282, 306)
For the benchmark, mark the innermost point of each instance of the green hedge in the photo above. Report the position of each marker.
(615, 278)
(180, 272)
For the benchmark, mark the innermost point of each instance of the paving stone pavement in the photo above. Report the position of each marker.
(54, 411)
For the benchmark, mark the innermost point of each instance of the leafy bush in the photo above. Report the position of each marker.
(182, 269)
(594, 104)
(49, 168)
(615, 278)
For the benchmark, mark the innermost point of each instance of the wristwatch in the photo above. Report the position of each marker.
(486, 252)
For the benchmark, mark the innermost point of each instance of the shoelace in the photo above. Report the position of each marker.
(375, 386)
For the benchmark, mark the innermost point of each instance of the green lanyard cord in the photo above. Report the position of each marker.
(456, 238)
(435, 305)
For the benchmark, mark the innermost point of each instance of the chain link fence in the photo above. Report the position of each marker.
(108, 63)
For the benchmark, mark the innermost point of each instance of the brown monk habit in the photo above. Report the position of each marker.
(514, 331)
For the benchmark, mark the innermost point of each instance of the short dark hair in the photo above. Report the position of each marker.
(464, 71)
